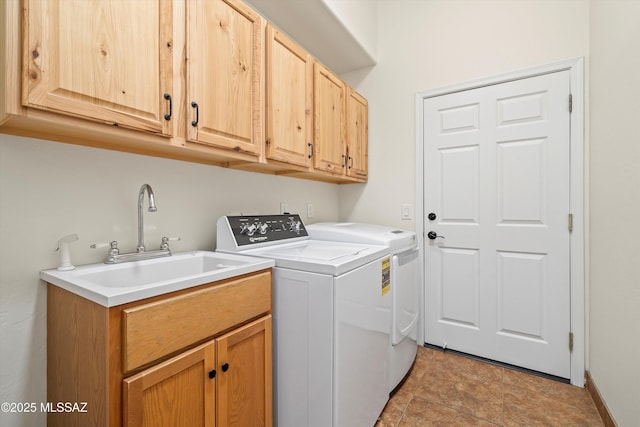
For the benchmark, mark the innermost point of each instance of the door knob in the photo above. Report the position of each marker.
(431, 216)
(433, 235)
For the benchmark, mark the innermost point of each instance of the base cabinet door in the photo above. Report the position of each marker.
(225, 382)
(244, 376)
(178, 392)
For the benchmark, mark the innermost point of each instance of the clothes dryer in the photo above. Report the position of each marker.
(405, 282)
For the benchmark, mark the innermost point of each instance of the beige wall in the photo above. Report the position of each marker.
(615, 206)
(426, 44)
(49, 190)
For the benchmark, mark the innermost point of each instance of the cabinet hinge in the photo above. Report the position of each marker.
(570, 222)
(570, 341)
(570, 103)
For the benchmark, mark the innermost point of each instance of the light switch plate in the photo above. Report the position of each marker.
(406, 211)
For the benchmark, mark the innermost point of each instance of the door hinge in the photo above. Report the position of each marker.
(570, 103)
(570, 341)
(570, 224)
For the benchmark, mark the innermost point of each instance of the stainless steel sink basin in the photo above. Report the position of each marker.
(114, 284)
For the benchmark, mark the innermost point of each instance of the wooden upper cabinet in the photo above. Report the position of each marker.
(329, 107)
(289, 88)
(224, 75)
(357, 135)
(108, 61)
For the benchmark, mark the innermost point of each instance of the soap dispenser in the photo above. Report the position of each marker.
(65, 257)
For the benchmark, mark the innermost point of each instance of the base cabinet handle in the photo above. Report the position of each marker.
(212, 373)
(225, 367)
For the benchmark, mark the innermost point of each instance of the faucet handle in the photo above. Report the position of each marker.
(113, 248)
(166, 240)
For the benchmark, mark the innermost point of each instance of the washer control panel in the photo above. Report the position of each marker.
(252, 229)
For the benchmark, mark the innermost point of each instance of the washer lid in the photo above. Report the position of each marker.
(316, 251)
(333, 258)
(372, 234)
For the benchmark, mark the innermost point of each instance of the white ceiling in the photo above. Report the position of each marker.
(315, 26)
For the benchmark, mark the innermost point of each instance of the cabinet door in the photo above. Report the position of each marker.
(224, 73)
(357, 135)
(108, 61)
(244, 376)
(289, 100)
(329, 121)
(178, 392)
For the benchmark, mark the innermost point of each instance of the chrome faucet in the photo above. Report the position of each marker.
(152, 208)
(114, 256)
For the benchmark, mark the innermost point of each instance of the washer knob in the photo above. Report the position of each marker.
(263, 228)
(248, 229)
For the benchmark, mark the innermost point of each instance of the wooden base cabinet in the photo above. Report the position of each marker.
(196, 357)
(224, 382)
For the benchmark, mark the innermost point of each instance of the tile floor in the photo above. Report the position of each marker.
(444, 389)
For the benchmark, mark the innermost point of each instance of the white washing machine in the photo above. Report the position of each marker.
(331, 316)
(405, 284)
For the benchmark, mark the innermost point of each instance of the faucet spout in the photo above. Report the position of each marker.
(152, 208)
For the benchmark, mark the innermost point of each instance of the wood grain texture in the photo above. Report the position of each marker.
(63, 106)
(245, 389)
(357, 135)
(77, 358)
(107, 61)
(289, 87)
(85, 349)
(224, 74)
(329, 125)
(157, 329)
(177, 392)
(603, 410)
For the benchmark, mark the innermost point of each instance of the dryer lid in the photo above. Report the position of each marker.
(371, 234)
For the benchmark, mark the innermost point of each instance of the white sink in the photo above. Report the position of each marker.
(114, 284)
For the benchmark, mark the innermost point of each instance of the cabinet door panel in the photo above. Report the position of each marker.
(224, 74)
(289, 100)
(330, 117)
(244, 387)
(108, 61)
(357, 135)
(151, 331)
(178, 392)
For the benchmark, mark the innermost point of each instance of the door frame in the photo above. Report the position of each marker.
(575, 67)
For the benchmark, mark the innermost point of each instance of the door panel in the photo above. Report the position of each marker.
(289, 122)
(497, 177)
(459, 287)
(107, 61)
(224, 71)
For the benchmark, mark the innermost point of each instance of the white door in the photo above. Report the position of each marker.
(497, 181)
